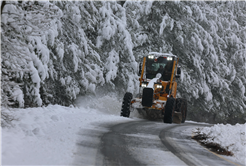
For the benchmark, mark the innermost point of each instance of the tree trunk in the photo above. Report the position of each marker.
(2, 6)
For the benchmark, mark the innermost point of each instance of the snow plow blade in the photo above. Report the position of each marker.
(157, 114)
(150, 114)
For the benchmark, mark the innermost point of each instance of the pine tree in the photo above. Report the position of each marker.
(210, 42)
(96, 35)
(24, 54)
(116, 44)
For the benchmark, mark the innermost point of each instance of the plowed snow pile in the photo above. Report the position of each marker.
(52, 135)
(230, 137)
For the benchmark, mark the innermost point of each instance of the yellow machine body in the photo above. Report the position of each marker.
(162, 89)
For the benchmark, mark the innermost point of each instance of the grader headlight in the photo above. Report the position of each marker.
(144, 84)
(169, 58)
(158, 86)
(151, 56)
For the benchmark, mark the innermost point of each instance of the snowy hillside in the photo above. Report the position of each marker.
(52, 135)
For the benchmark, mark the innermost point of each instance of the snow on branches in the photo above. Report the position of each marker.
(25, 26)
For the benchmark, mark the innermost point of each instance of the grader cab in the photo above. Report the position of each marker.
(157, 95)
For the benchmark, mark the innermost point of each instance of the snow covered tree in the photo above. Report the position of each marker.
(25, 56)
(114, 40)
(96, 47)
(210, 53)
(77, 63)
(78, 53)
(53, 51)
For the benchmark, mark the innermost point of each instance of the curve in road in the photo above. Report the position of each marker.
(153, 143)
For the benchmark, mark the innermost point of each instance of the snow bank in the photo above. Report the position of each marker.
(50, 135)
(231, 137)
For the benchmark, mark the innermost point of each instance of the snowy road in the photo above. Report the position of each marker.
(154, 143)
(94, 134)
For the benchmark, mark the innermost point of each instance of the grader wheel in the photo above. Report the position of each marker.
(125, 110)
(169, 110)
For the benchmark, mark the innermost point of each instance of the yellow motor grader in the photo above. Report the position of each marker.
(157, 95)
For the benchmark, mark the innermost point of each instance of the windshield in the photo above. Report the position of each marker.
(159, 65)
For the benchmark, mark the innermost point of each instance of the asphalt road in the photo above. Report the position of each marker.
(154, 143)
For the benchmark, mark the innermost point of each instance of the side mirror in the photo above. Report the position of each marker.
(140, 69)
(178, 72)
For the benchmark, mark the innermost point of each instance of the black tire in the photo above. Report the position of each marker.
(169, 110)
(178, 104)
(181, 106)
(125, 109)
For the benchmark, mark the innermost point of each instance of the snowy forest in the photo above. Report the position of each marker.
(53, 51)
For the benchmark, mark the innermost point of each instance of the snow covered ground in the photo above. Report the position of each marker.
(51, 135)
(230, 137)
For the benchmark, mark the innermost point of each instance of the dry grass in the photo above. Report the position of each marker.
(214, 147)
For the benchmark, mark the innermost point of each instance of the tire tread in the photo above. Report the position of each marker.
(125, 109)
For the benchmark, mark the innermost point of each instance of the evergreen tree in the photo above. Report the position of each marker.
(114, 40)
(24, 53)
(104, 59)
(53, 51)
(209, 52)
